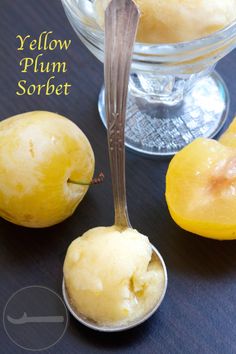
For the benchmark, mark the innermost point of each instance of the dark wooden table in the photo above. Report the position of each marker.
(198, 314)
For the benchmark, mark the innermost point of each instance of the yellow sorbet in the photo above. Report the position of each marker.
(174, 21)
(110, 275)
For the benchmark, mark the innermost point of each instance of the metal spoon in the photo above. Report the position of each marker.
(121, 21)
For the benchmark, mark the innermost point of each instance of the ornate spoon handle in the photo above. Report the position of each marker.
(121, 21)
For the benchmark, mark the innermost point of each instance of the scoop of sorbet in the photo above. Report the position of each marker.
(110, 275)
(171, 21)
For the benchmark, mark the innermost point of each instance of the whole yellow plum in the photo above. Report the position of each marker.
(40, 152)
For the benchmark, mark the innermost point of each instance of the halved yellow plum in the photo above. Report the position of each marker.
(201, 189)
(229, 137)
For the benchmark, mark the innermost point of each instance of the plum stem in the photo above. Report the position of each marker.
(96, 180)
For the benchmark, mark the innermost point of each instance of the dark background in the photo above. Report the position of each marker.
(198, 313)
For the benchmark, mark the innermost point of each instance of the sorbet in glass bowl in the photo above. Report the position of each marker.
(175, 95)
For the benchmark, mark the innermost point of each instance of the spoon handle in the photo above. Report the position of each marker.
(121, 20)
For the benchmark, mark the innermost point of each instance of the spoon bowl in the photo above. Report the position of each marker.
(120, 326)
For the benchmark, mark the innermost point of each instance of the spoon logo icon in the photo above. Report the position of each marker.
(35, 318)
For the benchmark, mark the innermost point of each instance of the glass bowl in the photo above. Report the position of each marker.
(175, 95)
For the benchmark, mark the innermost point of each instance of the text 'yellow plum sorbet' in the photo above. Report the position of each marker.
(174, 21)
(110, 275)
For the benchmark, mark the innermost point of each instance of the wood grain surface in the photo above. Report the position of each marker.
(198, 313)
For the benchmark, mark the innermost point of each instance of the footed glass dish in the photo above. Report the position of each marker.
(175, 95)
